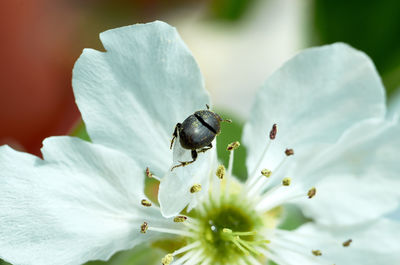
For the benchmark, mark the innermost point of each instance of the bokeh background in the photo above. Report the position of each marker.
(237, 43)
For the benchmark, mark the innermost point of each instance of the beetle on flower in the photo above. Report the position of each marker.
(316, 138)
(197, 132)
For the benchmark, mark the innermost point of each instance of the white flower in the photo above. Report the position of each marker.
(85, 200)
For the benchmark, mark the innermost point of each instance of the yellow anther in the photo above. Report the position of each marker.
(148, 173)
(180, 219)
(316, 252)
(146, 203)
(286, 181)
(347, 243)
(233, 146)
(311, 193)
(220, 172)
(289, 152)
(167, 259)
(266, 172)
(195, 188)
(144, 227)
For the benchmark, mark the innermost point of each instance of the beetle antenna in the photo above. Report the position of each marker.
(208, 107)
(227, 120)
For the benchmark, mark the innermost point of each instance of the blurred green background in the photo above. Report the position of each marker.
(245, 39)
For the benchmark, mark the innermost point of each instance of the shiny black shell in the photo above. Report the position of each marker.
(199, 129)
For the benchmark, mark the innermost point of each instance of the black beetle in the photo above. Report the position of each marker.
(197, 132)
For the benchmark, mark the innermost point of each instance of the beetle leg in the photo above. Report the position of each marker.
(208, 147)
(175, 134)
(182, 164)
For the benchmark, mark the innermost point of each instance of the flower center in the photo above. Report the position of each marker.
(228, 229)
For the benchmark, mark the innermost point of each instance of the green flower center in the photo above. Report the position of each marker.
(228, 230)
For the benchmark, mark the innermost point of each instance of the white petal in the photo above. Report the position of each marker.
(313, 98)
(372, 243)
(394, 106)
(174, 191)
(132, 95)
(395, 215)
(75, 207)
(357, 179)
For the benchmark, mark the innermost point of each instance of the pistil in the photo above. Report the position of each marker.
(246, 246)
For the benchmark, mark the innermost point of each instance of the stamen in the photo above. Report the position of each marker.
(266, 172)
(276, 196)
(196, 258)
(286, 181)
(289, 152)
(220, 173)
(347, 243)
(253, 177)
(259, 184)
(146, 203)
(167, 259)
(183, 250)
(195, 188)
(144, 227)
(311, 193)
(186, 248)
(180, 219)
(151, 175)
(233, 146)
(184, 258)
(148, 173)
(169, 231)
(200, 207)
(273, 132)
(316, 252)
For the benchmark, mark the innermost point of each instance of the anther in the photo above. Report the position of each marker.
(146, 203)
(220, 172)
(195, 188)
(311, 193)
(289, 152)
(233, 146)
(148, 173)
(144, 227)
(286, 181)
(167, 259)
(266, 172)
(180, 219)
(316, 253)
(347, 243)
(272, 133)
